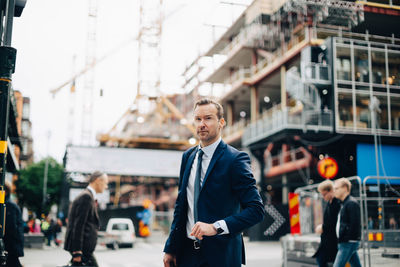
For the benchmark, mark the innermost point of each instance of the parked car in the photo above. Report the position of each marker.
(120, 232)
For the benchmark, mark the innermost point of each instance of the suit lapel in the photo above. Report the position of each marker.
(188, 167)
(94, 205)
(217, 154)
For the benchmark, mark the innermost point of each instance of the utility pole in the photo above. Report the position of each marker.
(45, 175)
(8, 9)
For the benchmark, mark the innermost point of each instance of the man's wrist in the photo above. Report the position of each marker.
(218, 228)
(77, 254)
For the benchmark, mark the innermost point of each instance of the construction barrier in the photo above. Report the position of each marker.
(382, 210)
(294, 213)
(379, 209)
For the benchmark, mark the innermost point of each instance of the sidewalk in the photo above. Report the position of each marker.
(147, 253)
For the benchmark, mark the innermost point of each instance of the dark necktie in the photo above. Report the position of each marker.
(197, 182)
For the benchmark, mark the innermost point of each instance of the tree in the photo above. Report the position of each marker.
(30, 185)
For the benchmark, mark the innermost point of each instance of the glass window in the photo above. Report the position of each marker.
(363, 115)
(395, 112)
(382, 117)
(120, 226)
(378, 67)
(394, 69)
(25, 147)
(25, 128)
(343, 65)
(361, 65)
(25, 111)
(345, 110)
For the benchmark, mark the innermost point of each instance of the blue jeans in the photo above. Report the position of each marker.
(347, 252)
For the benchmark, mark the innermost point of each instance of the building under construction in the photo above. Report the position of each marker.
(307, 85)
(311, 88)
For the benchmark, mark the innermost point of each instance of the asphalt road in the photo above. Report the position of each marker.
(146, 253)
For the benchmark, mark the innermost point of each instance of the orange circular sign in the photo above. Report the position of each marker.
(328, 168)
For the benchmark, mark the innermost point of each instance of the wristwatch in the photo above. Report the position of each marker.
(218, 227)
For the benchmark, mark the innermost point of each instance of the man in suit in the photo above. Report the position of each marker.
(14, 232)
(328, 246)
(83, 222)
(348, 227)
(217, 198)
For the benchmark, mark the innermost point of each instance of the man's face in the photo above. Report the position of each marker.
(101, 183)
(207, 124)
(327, 195)
(340, 190)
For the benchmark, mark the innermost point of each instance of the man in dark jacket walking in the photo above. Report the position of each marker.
(348, 228)
(83, 222)
(328, 246)
(14, 235)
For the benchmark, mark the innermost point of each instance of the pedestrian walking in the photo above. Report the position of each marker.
(328, 246)
(348, 228)
(215, 183)
(47, 230)
(37, 226)
(14, 232)
(83, 222)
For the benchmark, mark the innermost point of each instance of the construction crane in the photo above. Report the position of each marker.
(149, 39)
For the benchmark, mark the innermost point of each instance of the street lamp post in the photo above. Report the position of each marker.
(45, 175)
(8, 9)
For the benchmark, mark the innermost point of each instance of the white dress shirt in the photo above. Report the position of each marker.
(206, 159)
(93, 192)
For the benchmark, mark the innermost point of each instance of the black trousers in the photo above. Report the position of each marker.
(323, 259)
(87, 260)
(191, 257)
(13, 261)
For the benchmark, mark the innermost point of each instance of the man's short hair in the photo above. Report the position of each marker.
(207, 101)
(95, 175)
(325, 186)
(345, 183)
(7, 187)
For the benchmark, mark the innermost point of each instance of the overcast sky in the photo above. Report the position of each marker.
(50, 32)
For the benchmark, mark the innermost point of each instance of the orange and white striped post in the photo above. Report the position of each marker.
(294, 214)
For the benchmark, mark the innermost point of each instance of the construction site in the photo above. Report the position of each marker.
(299, 82)
(310, 89)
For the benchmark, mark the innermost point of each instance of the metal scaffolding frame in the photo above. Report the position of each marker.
(87, 92)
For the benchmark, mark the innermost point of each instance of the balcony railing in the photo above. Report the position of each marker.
(236, 127)
(284, 157)
(243, 73)
(305, 33)
(250, 36)
(276, 120)
(316, 73)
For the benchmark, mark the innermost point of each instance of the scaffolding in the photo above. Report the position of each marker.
(87, 93)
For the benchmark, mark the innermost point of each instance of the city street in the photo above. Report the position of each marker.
(146, 253)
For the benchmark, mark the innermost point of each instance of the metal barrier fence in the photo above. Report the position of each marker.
(317, 211)
(378, 212)
(162, 220)
(381, 209)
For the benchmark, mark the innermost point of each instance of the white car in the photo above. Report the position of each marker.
(120, 232)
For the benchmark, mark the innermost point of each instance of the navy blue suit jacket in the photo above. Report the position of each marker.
(228, 193)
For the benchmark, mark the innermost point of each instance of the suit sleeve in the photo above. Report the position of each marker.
(81, 211)
(20, 230)
(330, 216)
(170, 244)
(244, 187)
(354, 223)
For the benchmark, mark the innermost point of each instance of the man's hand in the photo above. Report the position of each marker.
(77, 259)
(201, 229)
(168, 259)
